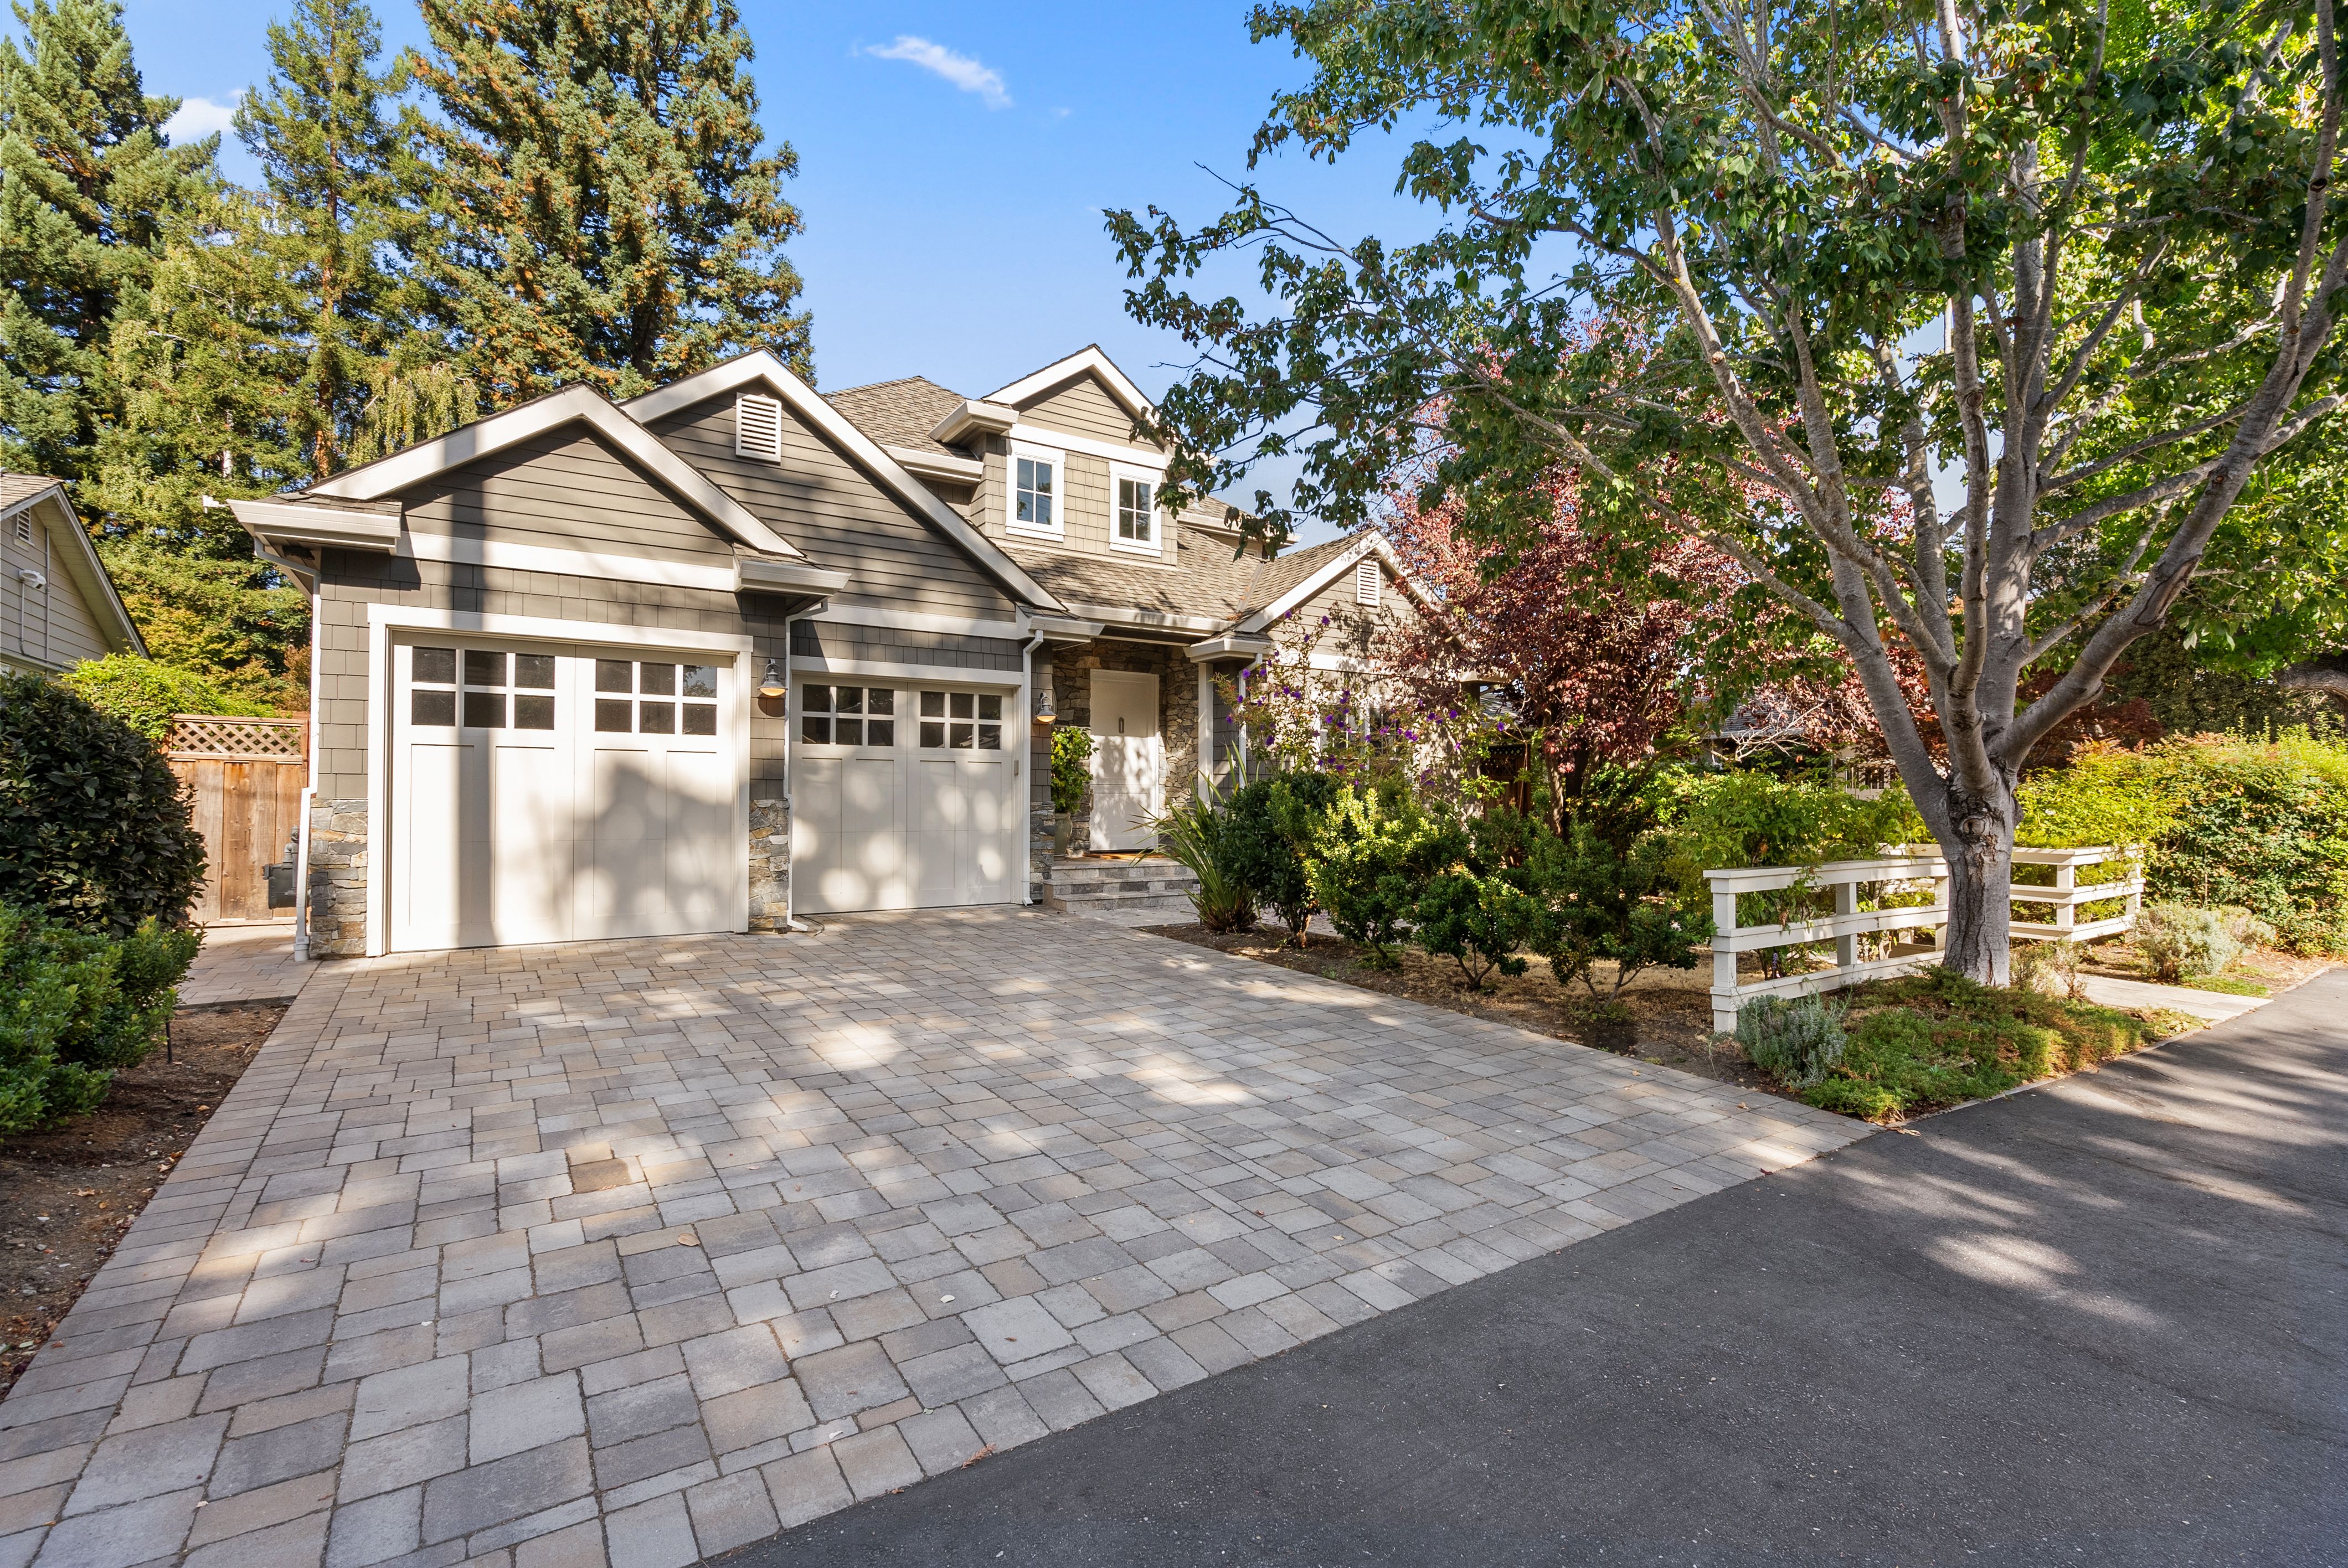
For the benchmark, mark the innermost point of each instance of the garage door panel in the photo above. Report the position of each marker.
(696, 836)
(533, 854)
(433, 864)
(855, 855)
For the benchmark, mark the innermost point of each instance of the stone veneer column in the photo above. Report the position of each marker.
(770, 865)
(338, 878)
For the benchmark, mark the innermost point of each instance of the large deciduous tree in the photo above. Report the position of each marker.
(601, 209)
(89, 187)
(2061, 276)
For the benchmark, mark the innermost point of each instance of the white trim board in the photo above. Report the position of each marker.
(801, 399)
(1090, 446)
(400, 617)
(582, 404)
(1056, 530)
(505, 555)
(1328, 572)
(913, 621)
(886, 669)
(1060, 372)
(1154, 548)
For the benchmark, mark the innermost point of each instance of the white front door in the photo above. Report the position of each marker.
(903, 797)
(547, 793)
(1128, 760)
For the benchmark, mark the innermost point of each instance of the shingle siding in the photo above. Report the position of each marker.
(1084, 407)
(565, 490)
(898, 645)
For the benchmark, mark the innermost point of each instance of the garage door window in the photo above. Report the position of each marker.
(656, 708)
(496, 687)
(848, 715)
(962, 721)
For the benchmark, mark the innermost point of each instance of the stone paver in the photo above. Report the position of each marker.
(634, 1252)
(251, 963)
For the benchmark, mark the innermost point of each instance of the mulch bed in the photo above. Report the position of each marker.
(66, 1195)
(1672, 1008)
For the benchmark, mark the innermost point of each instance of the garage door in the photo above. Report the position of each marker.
(904, 797)
(553, 795)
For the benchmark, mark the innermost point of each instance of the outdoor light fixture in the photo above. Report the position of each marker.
(773, 685)
(1044, 713)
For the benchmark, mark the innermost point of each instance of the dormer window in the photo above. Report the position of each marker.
(758, 428)
(1368, 581)
(1135, 524)
(1034, 492)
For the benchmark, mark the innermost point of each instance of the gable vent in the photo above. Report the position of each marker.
(1367, 582)
(23, 528)
(758, 428)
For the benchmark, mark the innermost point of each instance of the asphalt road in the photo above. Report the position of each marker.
(2106, 1322)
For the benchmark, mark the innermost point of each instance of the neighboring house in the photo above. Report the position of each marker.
(733, 651)
(57, 606)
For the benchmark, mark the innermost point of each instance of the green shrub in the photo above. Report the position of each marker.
(1937, 1038)
(1597, 902)
(144, 694)
(94, 829)
(1738, 819)
(2106, 795)
(1274, 821)
(1796, 1040)
(1481, 923)
(1203, 837)
(1372, 851)
(2051, 968)
(2180, 941)
(75, 1008)
(1072, 775)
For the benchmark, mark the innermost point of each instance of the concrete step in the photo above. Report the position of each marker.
(1151, 886)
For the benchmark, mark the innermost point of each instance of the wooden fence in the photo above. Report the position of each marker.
(1849, 924)
(247, 776)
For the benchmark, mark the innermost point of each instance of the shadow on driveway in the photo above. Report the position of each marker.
(2102, 1322)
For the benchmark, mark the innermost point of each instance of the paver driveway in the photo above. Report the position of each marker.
(640, 1251)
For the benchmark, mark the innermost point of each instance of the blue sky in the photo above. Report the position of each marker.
(953, 160)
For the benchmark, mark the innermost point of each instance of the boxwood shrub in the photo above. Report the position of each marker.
(75, 1008)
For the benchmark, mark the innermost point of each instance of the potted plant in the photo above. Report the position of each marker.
(1072, 752)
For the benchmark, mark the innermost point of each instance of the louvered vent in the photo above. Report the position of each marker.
(1367, 581)
(758, 428)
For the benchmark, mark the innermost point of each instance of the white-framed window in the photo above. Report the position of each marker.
(848, 715)
(961, 721)
(1369, 581)
(758, 427)
(1133, 521)
(1033, 484)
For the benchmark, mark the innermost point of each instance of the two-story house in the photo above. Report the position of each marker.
(733, 651)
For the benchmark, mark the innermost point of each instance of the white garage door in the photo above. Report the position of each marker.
(560, 795)
(904, 797)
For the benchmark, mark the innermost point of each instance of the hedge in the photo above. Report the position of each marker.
(76, 1007)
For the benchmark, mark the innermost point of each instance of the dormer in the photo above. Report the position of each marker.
(1067, 467)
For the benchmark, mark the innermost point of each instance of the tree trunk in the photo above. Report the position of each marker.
(1979, 852)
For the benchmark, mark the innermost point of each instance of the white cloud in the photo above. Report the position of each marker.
(937, 59)
(198, 118)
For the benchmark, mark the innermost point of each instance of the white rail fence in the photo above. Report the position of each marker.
(1849, 923)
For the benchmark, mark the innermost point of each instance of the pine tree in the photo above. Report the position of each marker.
(88, 186)
(601, 209)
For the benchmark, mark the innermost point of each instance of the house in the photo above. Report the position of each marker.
(57, 606)
(733, 652)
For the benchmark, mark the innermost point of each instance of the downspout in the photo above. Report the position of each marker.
(791, 922)
(309, 794)
(1027, 727)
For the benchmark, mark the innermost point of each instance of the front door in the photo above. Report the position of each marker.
(1128, 760)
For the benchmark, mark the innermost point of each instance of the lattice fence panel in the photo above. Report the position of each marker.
(228, 738)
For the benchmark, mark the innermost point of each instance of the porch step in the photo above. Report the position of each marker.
(1121, 888)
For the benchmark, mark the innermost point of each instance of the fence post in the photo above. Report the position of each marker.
(1846, 943)
(2067, 880)
(1723, 962)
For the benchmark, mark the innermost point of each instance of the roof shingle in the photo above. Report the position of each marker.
(899, 412)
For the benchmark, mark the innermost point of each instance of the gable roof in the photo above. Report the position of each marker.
(78, 556)
(899, 413)
(572, 405)
(1327, 563)
(762, 368)
(1088, 359)
(1208, 584)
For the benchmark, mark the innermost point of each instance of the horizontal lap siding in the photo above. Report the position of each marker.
(71, 630)
(896, 645)
(566, 490)
(829, 508)
(1085, 409)
(352, 581)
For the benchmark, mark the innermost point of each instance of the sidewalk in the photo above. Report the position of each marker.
(245, 964)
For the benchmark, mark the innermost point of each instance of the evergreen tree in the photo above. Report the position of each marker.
(88, 185)
(601, 207)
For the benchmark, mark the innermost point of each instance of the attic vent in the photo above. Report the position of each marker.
(1367, 582)
(23, 528)
(758, 427)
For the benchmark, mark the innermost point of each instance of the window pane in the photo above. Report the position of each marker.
(535, 671)
(1043, 508)
(849, 732)
(533, 713)
(989, 737)
(484, 669)
(880, 731)
(850, 700)
(484, 710)
(933, 705)
(1044, 482)
(656, 718)
(612, 718)
(934, 734)
(700, 719)
(1027, 474)
(990, 707)
(961, 736)
(701, 680)
(614, 675)
(438, 664)
(814, 727)
(961, 700)
(657, 680)
(432, 707)
(1026, 511)
(880, 700)
(816, 699)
